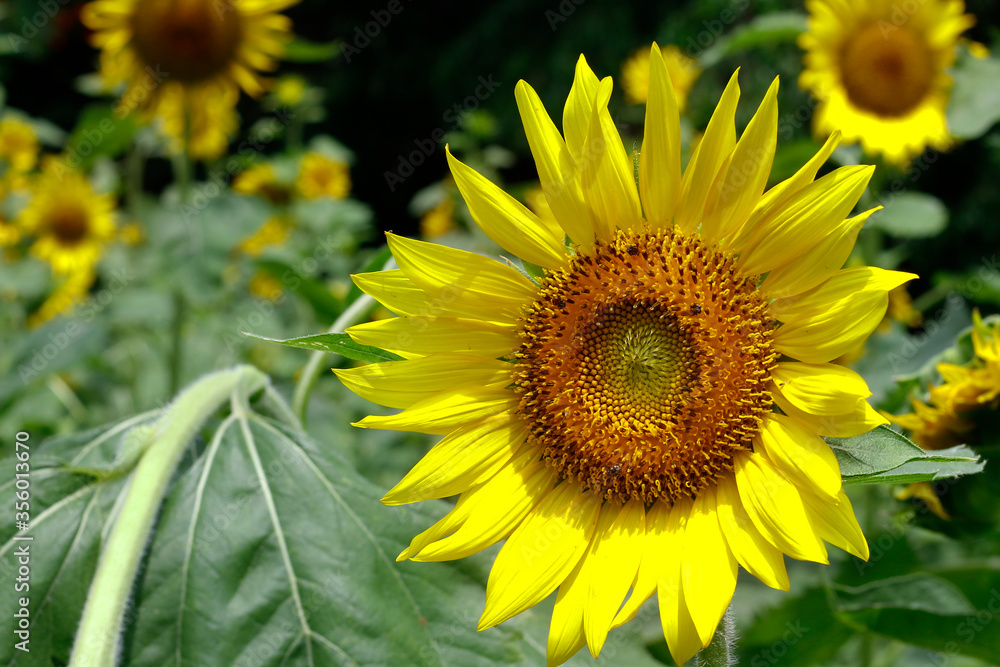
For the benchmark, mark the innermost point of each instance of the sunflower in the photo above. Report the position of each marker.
(274, 231)
(71, 222)
(322, 176)
(439, 220)
(879, 72)
(70, 292)
(188, 59)
(18, 145)
(683, 71)
(262, 180)
(10, 232)
(614, 419)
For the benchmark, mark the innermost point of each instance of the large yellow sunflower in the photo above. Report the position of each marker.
(188, 58)
(614, 419)
(71, 222)
(878, 71)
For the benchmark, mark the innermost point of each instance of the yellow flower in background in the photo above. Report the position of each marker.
(261, 180)
(289, 90)
(683, 71)
(71, 291)
(265, 286)
(132, 234)
(322, 176)
(70, 222)
(614, 421)
(439, 220)
(932, 426)
(273, 232)
(879, 71)
(10, 233)
(18, 144)
(180, 57)
(926, 493)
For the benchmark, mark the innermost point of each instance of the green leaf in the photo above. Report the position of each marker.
(953, 627)
(975, 97)
(911, 215)
(99, 132)
(921, 591)
(883, 456)
(304, 51)
(269, 549)
(337, 343)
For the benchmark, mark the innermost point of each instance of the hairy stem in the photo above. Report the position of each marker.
(99, 635)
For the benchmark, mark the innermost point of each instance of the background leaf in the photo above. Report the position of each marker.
(885, 456)
(337, 343)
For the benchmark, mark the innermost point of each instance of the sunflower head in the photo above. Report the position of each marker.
(683, 71)
(644, 414)
(70, 222)
(879, 72)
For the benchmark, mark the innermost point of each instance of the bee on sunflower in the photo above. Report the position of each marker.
(879, 72)
(185, 61)
(613, 418)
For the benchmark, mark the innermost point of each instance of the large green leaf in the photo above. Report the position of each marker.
(885, 456)
(911, 215)
(269, 550)
(975, 98)
(952, 611)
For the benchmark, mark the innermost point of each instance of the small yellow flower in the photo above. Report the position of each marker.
(265, 286)
(71, 223)
(321, 176)
(289, 90)
(683, 71)
(132, 234)
(18, 144)
(262, 180)
(188, 58)
(273, 232)
(879, 71)
(933, 427)
(70, 292)
(439, 220)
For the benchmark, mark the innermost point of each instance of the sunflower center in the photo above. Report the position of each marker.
(887, 72)
(189, 40)
(69, 225)
(644, 365)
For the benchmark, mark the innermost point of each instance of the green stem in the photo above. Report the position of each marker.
(98, 636)
(300, 397)
(135, 162)
(722, 651)
(177, 339)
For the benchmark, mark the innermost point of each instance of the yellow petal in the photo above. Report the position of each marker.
(825, 322)
(566, 627)
(477, 284)
(464, 458)
(776, 508)
(541, 553)
(777, 196)
(400, 384)
(678, 627)
(822, 389)
(505, 220)
(802, 456)
(579, 108)
(660, 157)
(704, 164)
(607, 172)
(653, 544)
(708, 567)
(443, 334)
(557, 170)
(757, 556)
(861, 418)
(740, 187)
(614, 558)
(444, 412)
(400, 295)
(836, 523)
(487, 513)
(804, 220)
(818, 264)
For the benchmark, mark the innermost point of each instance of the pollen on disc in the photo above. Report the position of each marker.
(644, 366)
